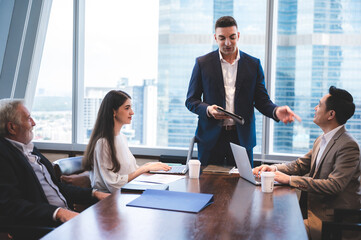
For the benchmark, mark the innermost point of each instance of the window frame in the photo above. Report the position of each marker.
(78, 86)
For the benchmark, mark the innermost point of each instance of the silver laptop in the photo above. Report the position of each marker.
(243, 165)
(181, 169)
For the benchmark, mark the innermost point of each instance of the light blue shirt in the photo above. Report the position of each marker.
(50, 189)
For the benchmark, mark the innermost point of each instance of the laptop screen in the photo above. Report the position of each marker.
(242, 162)
(190, 150)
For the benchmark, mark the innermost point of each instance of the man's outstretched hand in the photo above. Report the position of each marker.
(286, 115)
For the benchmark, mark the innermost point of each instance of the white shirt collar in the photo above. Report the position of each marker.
(26, 149)
(331, 133)
(222, 59)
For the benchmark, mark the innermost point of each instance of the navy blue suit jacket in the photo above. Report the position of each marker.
(22, 198)
(206, 88)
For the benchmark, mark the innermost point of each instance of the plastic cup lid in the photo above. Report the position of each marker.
(268, 174)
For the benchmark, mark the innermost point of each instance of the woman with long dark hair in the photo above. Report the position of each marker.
(108, 157)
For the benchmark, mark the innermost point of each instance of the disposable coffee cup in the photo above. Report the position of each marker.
(194, 166)
(267, 181)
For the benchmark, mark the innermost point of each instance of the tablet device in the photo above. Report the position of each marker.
(235, 117)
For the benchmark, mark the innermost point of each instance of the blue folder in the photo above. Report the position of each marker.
(171, 200)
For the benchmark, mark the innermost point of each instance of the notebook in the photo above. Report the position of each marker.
(243, 165)
(181, 169)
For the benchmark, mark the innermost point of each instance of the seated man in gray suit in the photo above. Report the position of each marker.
(29, 192)
(333, 164)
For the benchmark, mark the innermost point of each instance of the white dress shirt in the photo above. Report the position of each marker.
(325, 139)
(229, 72)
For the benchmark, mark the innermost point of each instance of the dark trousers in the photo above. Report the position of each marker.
(221, 154)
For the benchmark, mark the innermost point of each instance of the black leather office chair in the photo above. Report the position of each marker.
(72, 168)
(70, 171)
(344, 220)
(68, 166)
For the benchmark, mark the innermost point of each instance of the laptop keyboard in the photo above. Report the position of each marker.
(177, 169)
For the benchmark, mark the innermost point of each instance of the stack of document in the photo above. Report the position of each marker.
(171, 200)
(154, 181)
(215, 169)
(159, 178)
(137, 186)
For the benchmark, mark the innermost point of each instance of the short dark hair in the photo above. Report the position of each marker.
(225, 21)
(341, 102)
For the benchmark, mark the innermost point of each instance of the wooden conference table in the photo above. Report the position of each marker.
(240, 211)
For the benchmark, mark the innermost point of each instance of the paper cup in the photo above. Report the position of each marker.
(267, 181)
(194, 166)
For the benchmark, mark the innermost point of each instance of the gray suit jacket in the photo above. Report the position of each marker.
(335, 182)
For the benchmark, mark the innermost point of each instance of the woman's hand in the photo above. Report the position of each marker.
(154, 166)
(151, 166)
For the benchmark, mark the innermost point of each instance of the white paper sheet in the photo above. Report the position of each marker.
(159, 178)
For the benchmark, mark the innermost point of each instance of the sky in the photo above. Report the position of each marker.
(121, 40)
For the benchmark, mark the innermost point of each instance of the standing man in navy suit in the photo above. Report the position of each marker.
(233, 80)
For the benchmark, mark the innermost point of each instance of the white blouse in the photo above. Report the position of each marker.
(104, 179)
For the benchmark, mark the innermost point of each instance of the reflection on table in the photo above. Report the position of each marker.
(240, 211)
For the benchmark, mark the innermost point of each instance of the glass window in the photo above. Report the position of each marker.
(186, 32)
(148, 49)
(52, 107)
(121, 47)
(252, 27)
(317, 47)
(152, 60)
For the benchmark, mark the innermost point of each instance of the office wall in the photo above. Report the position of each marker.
(19, 21)
(6, 10)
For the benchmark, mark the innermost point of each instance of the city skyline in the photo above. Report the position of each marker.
(316, 45)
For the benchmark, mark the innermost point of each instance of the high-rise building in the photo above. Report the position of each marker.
(91, 107)
(150, 106)
(93, 97)
(313, 53)
(142, 130)
(317, 45)
(185, 33)
(180, 40)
